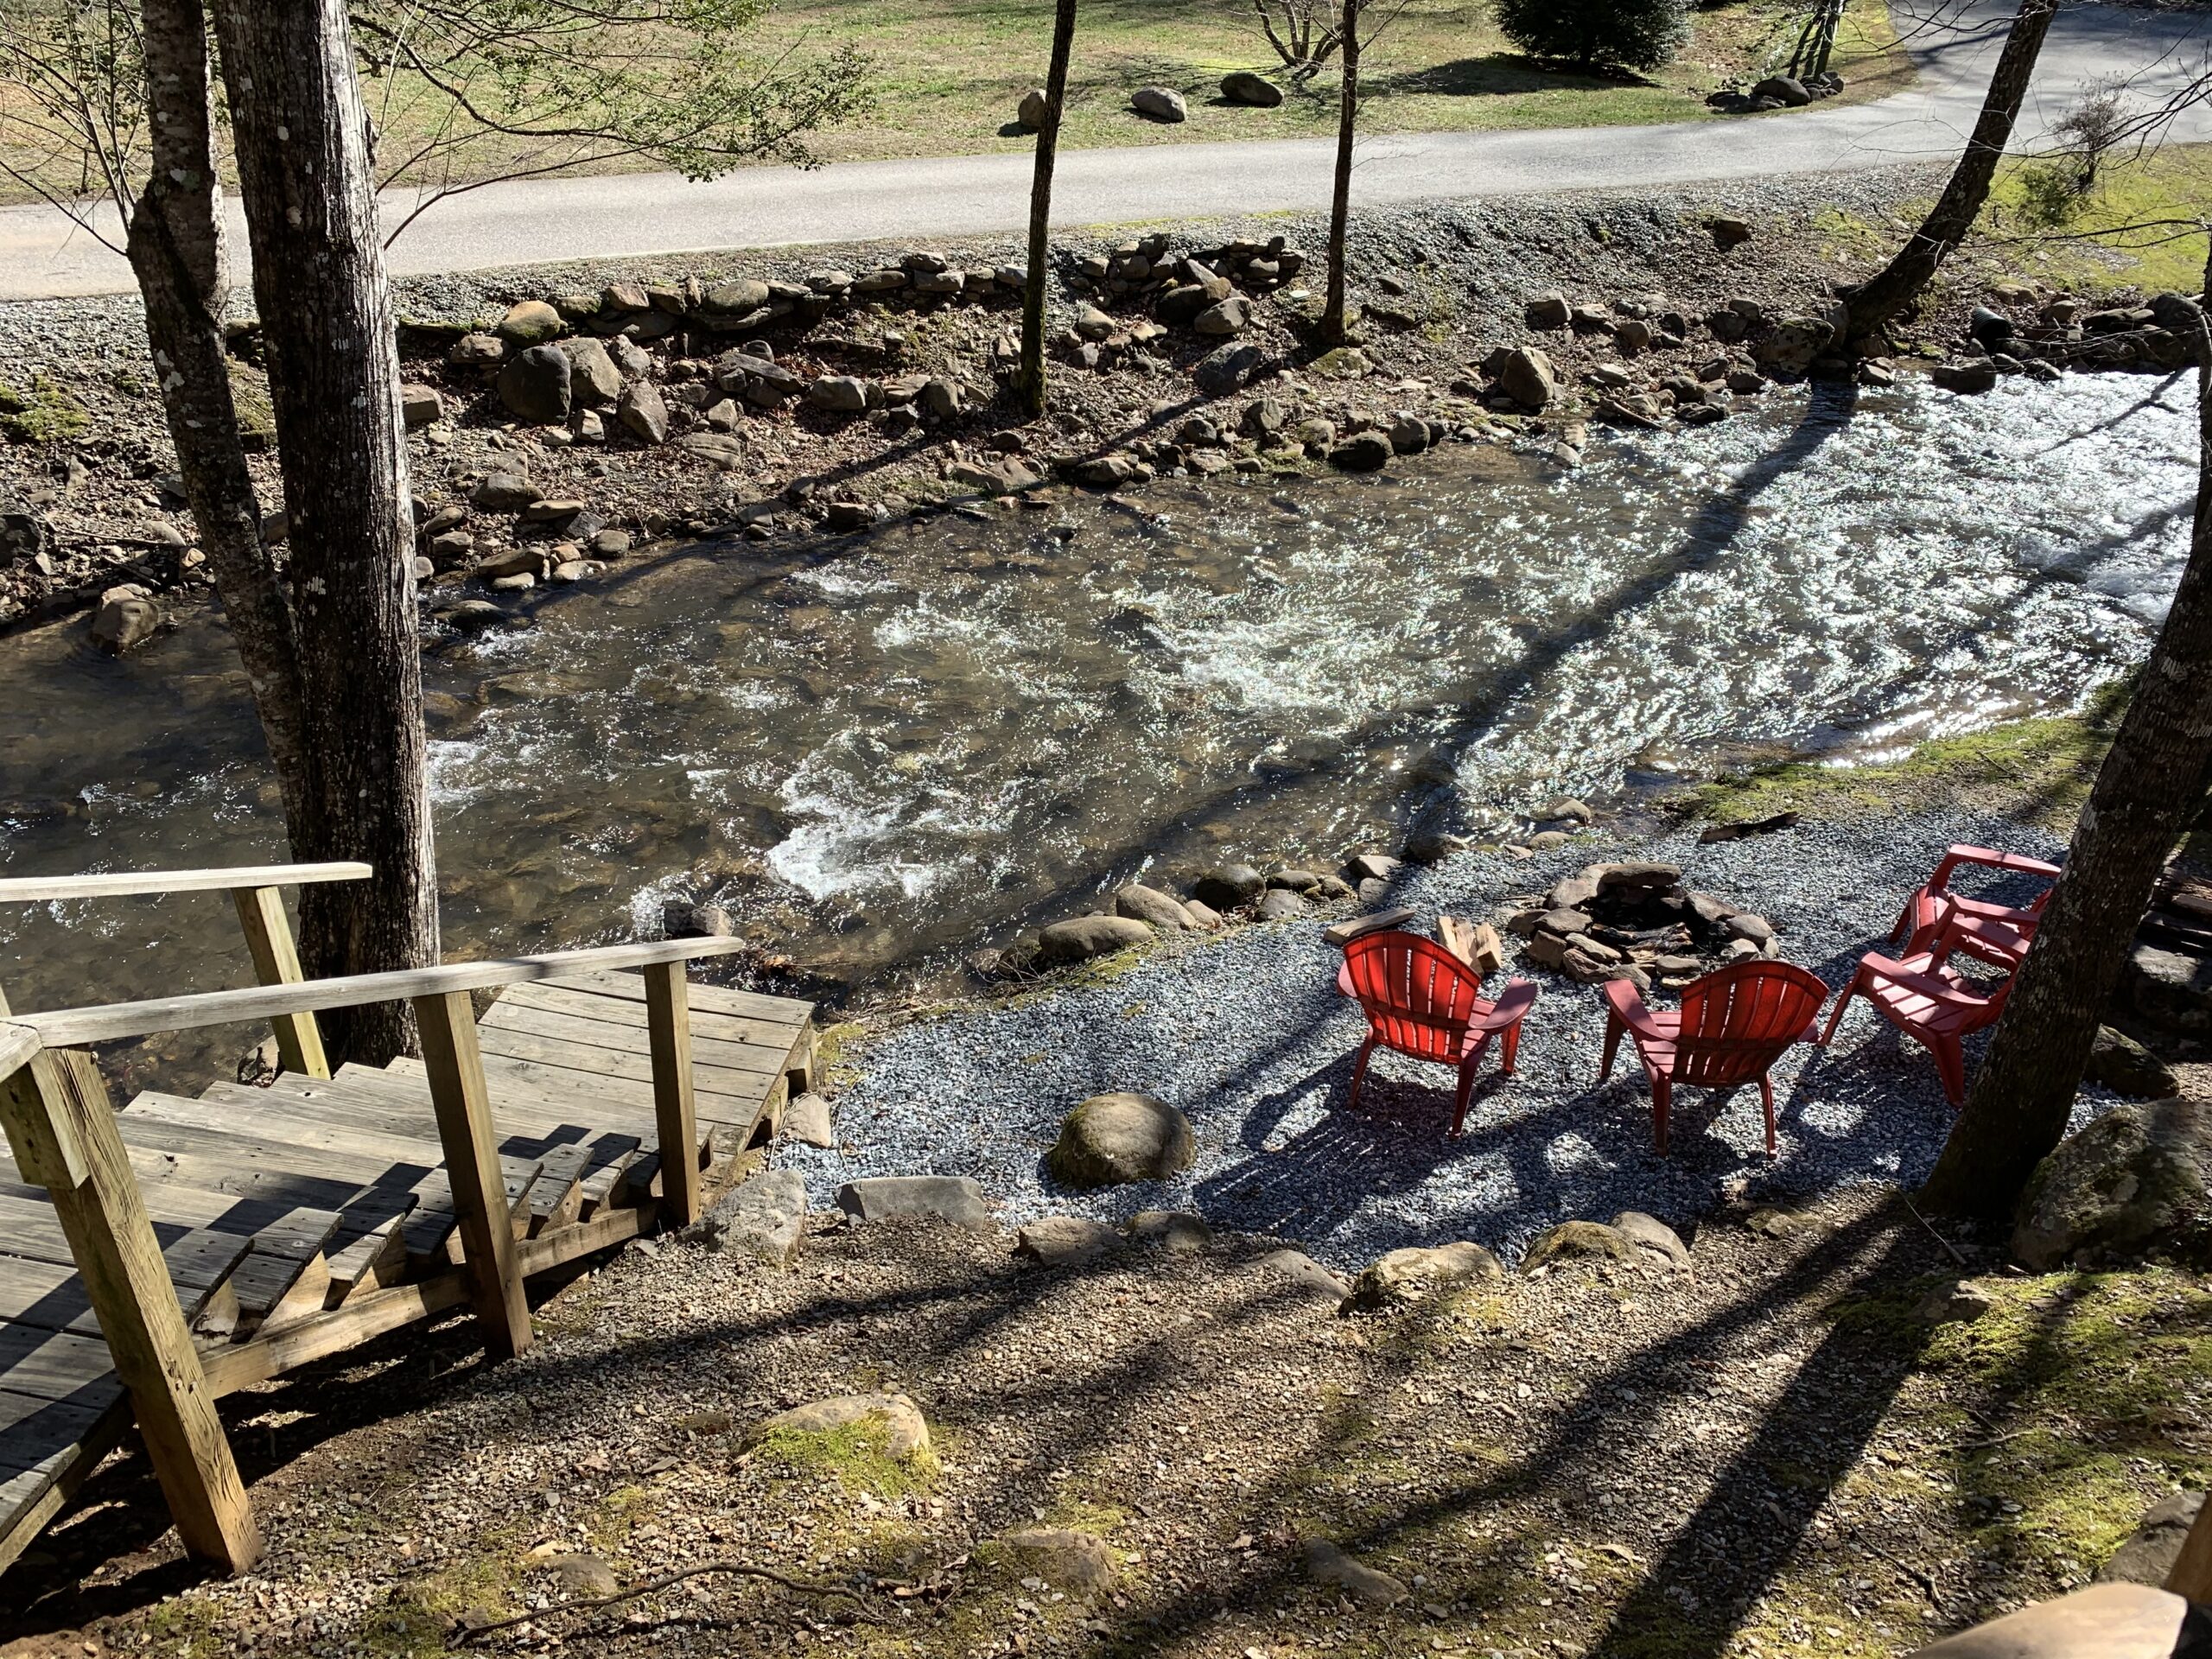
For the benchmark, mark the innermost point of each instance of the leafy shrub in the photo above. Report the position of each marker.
(1631, 33)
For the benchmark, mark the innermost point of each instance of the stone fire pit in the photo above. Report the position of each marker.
(1639, 922)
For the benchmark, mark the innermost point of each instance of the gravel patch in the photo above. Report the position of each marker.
(1246, 1034)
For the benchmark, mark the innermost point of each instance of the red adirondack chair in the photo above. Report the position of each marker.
(1733, 1026)
(1929, 1001)
(2006, 932)
(1422, 1001)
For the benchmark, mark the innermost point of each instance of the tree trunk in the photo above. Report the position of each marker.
(175, 245)
(1333, 327)
(2146, 790)
(1032, 383)
(303, 145)
(1874, 306)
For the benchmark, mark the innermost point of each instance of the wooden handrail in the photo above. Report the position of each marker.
(123, 884)
(69, 1028)
(19, 1045)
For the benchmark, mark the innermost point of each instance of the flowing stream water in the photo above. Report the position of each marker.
(879, 750)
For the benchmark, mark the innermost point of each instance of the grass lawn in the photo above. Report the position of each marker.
(950, 72)
(2088, 250)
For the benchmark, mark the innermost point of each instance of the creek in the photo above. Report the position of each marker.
(880, 751)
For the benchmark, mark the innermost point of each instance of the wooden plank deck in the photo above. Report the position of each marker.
(305, 1218)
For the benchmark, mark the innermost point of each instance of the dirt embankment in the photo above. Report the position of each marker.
(821, 389)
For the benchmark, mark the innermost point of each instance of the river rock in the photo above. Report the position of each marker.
(1158, 103)
(1549, 311)
(956, 1199)
(1969, 377)
(1326, 1563)
(1578, 1239)
(593, 378)
(2168, 989)
(1785, 89)
(809, 1120)
(907, 1431)
(2149, 1554)
(841, 394)
(2135, 1178)
(476, 351)
(1281, 905)
(1301, 1276)
(420, 405)
(1178, 1232)
(643, 413)
(764, 1217)
(738, 297)
(1065, 1240)
(125, 620)
(1082, 938)
(1145, 904)
(1229, 316)
(1362, 452)
(534, 385)
(582, 1573)
(1071, 1561)
(1791, 346)
(1229, 885)
(1528, 377)
(1406, 1275)
(1256, 92)
(2126, 1067)
(1220, 373)
(530, 323)
(1654, 1237)
(1031, 111)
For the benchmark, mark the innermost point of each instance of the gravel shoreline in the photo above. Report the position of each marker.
(1245, 1033)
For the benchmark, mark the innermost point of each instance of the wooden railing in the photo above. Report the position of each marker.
(254, 889)
(62, 1129)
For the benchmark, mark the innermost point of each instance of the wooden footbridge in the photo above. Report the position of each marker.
(155, 1259)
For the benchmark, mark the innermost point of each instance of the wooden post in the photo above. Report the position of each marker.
(269, 937)
(668, 1024)
(63, 1133)
(456, 1065)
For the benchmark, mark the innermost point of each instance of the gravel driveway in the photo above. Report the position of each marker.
(1245, 1032)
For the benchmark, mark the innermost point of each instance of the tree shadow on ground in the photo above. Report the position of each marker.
(1502, 74)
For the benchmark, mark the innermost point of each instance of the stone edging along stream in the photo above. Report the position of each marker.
(563, 416)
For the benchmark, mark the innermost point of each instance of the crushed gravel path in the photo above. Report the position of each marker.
(1246, 1034)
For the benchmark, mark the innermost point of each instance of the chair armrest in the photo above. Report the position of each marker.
(1928, 985)
(1991, 858)
(1343, 981)
(1513, 1002)
(1628, 1008)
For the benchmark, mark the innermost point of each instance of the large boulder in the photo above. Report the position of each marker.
(1791, 346)
(126, 620)
(1112, 1140)
(1579, 1239)
(1784, 90)
(2108, 1621)
(2149, 1554)
(643, 413)
(1082, 938)
(534, 385)
(1031, 110)
(2135, 1177)
(2126, 1067)
(2168, 989)
(1242, 86)
(1158, 103)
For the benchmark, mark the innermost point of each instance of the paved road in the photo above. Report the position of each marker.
(43, 255)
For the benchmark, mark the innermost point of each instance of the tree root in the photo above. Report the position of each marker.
(740, 1569)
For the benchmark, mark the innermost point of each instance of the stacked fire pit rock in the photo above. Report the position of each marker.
(1636, 922)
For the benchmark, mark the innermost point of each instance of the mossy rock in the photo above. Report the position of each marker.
(257, 410)
(45, 414)
(2138, 1176)
(1067, 1558)
(1579, 1240)
(1112, 1140)
(876, 1443)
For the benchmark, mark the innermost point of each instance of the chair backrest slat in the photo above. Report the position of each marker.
(1737, 1022)
(1418, 996)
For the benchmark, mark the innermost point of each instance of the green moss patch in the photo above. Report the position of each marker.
(45, 414)
(857, 1454)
